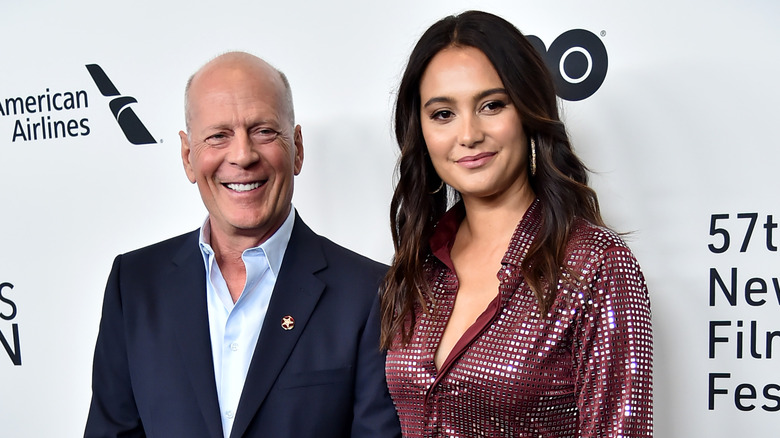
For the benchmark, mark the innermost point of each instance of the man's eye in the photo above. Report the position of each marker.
(216, 139)
(265, 135)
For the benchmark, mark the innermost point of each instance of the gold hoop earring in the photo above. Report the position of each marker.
(441, 186)
(533, 157)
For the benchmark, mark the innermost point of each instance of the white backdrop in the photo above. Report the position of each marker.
(681, 129)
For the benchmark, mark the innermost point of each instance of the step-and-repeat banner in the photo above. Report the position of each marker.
(673, 106)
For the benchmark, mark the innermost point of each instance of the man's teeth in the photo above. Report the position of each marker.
(243, 187)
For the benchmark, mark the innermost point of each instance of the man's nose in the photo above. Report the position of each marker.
(242, 151)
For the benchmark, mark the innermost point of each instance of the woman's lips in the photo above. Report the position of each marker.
(474, 161)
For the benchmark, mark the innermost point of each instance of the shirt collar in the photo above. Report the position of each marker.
(443, 236)
(444, 232)
(274, 247)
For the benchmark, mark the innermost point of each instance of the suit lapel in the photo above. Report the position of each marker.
(189, 311)
(296, 294)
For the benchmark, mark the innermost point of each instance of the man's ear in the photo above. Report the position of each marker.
(185, 156)
(298, 141)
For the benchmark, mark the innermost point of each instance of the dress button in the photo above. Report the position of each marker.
(229, 414)
(234, 346)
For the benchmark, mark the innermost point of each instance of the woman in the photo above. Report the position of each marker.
(515, 312)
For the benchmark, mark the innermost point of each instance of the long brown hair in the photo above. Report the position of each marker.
(560, 181)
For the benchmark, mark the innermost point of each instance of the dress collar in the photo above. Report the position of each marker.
(444, 234)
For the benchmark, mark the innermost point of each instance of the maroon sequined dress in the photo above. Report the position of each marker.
(584, 370)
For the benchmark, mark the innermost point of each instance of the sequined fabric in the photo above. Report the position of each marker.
(583, 370)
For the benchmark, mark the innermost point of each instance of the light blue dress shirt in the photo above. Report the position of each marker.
(235, 327)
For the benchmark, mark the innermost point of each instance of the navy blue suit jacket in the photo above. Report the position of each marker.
(153, 371)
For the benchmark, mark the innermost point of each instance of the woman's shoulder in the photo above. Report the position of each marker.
(592, 248)
(597, 256)
(588, 237)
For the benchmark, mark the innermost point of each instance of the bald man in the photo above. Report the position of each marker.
(253, 325)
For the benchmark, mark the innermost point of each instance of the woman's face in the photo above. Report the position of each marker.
(472, 130)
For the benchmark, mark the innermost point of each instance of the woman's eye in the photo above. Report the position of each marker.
(494, 106)
(441, 115)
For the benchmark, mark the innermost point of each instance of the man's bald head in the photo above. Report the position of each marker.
(247, 64)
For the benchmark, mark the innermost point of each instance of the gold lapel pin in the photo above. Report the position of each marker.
(288, 322)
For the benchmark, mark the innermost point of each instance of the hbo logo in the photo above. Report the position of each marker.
(577, 61)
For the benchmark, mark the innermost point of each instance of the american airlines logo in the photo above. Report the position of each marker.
(56, 113)
(46, 115)
(131, 125)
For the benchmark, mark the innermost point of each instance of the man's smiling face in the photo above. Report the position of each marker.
(242, 149)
